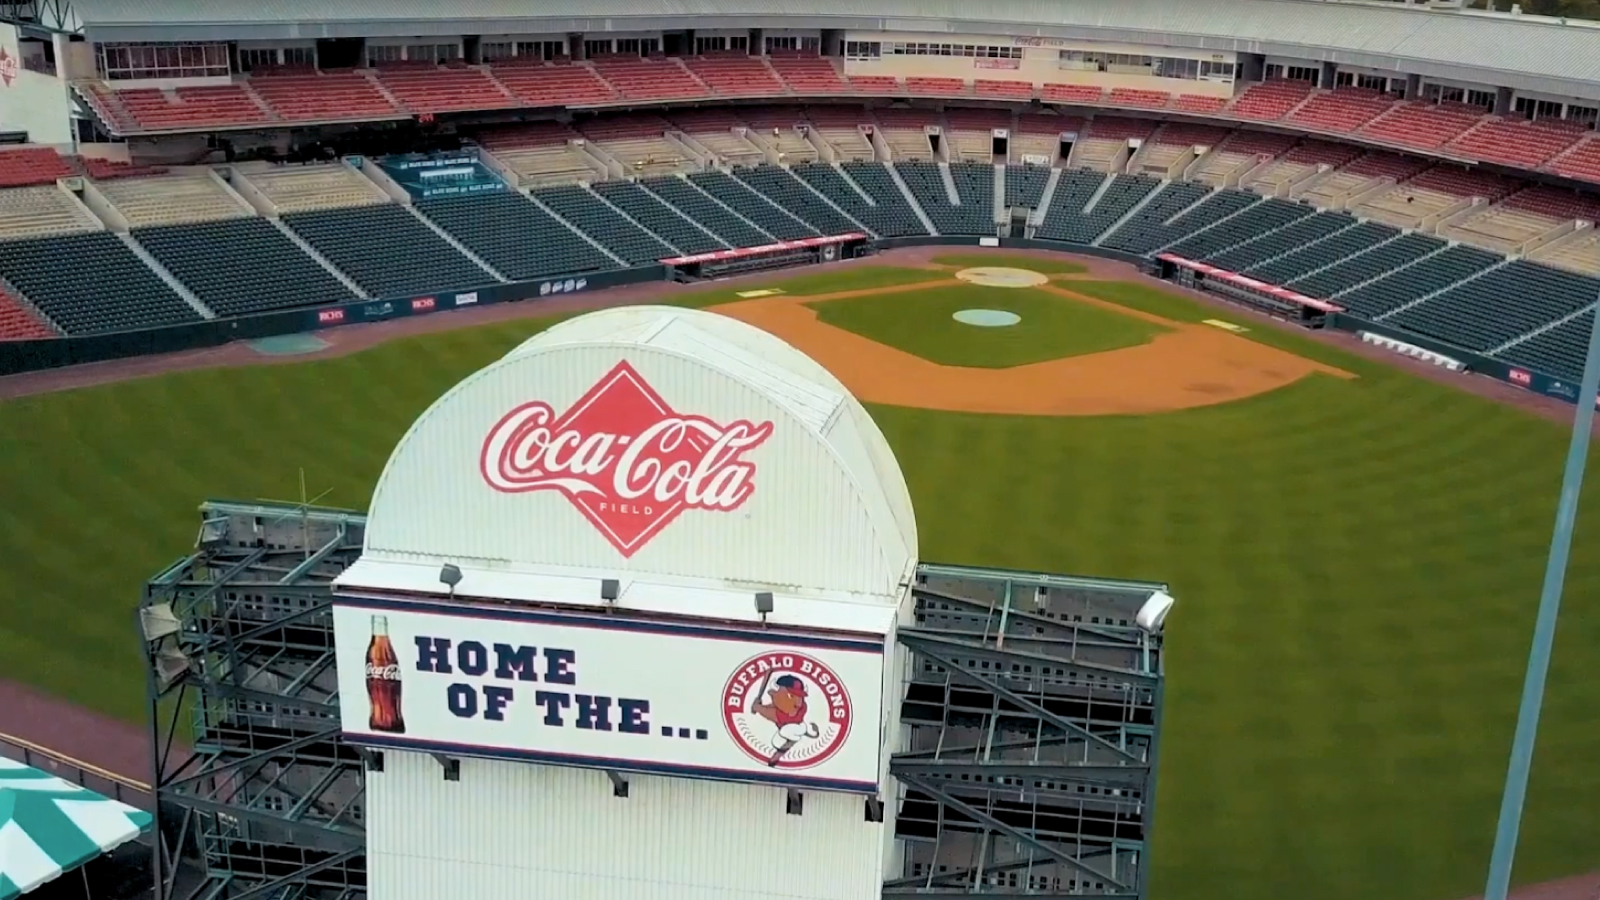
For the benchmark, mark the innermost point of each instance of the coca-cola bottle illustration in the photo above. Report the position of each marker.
(383, 681)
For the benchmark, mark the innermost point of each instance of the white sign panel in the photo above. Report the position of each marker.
(610, 692)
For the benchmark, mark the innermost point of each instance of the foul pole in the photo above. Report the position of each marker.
(1544, 629)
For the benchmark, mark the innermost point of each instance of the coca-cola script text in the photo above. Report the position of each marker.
(624, 458)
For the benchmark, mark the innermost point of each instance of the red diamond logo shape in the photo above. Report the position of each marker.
(622, 456)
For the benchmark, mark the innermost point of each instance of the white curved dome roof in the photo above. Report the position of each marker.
(758, 467)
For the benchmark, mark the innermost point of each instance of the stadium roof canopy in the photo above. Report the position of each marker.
(1531, 53)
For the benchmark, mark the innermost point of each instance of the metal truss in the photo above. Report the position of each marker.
(1030, 732)
(239, 645)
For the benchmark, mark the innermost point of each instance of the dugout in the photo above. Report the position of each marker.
(1275, 301)
(781, 255)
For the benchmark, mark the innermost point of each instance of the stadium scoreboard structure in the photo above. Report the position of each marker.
(358, 703)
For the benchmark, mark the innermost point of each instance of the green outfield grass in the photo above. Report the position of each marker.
(1357, 566)
(1011, 260)
(920, 323)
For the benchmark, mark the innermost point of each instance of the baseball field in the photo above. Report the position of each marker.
(1356, 550)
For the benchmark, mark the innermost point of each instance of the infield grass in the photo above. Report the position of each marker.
(1357, 565)
(920, 322)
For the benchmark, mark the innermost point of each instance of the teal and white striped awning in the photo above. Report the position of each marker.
(49, 826)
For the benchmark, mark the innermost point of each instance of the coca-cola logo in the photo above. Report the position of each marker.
(628, 461)
(390, 672)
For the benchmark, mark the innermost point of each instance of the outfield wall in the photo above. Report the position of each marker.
(27, 356)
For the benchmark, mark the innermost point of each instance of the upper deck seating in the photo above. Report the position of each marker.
(188, 108)
(808, 74)
(32, 165)
(562, 83)
(647, 78)
(455, 87)
(1270, 100)
(736, 75)
(1423, 125)
(323, 96)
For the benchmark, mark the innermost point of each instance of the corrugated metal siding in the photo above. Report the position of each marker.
(818, 518)
(1272, 26)
(509, 831)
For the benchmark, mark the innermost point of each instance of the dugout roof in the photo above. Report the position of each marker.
(1532, 53)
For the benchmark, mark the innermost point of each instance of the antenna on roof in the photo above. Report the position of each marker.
(304, 509)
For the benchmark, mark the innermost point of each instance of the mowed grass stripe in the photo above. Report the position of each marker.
(1357, 565)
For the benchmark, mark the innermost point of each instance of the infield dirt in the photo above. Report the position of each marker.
(1187, 366)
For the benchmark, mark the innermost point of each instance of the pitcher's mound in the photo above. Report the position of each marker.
(995, 276)
(986, 318)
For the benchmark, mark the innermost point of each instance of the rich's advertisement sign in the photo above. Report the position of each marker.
(604, 692)
(624, 458)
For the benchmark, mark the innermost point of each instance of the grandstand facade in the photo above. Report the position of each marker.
(1423, 175)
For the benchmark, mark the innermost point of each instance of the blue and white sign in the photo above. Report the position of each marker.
(610, 692)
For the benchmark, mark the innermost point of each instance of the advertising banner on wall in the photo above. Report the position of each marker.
(612, 693)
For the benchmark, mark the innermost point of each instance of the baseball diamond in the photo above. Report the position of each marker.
(638, 451)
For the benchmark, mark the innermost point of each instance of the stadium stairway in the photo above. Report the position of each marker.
(1317, 255)
(386, 251)
(605, 224)
(1367, 265)
(1475, 313)
(1147, 233)
(91, 283)
(519, 238)
(1558, 348)
(1413, 283)
(865, 191)
(788, 190)
(656, 217)
(241, 267)
(783, 223)
(19, 321)
(728, 225)
(1250, 222)
(1270, 245)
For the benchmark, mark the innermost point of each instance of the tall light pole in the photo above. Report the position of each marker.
(1544, 628)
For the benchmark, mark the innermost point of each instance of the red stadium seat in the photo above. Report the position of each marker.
(1199, 104)
(18, 323)
(1270, 100)
(32, 165)
(434, 89)
(736, 75)
(1073, 93)
(1514, 142)
(1008, 90)
(808, 74)
(1132, 97)
(299, 96)
(935, 87)
(647, 78)
(1342, 110)
(1422, 125)
(553, 84)
(1582, 161)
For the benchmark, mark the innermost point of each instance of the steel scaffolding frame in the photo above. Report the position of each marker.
(240, 660)
(1030, 734)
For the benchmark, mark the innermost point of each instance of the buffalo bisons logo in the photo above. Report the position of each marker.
(786, 710)
(624, 458)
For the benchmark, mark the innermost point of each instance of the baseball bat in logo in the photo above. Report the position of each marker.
(786, 710)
